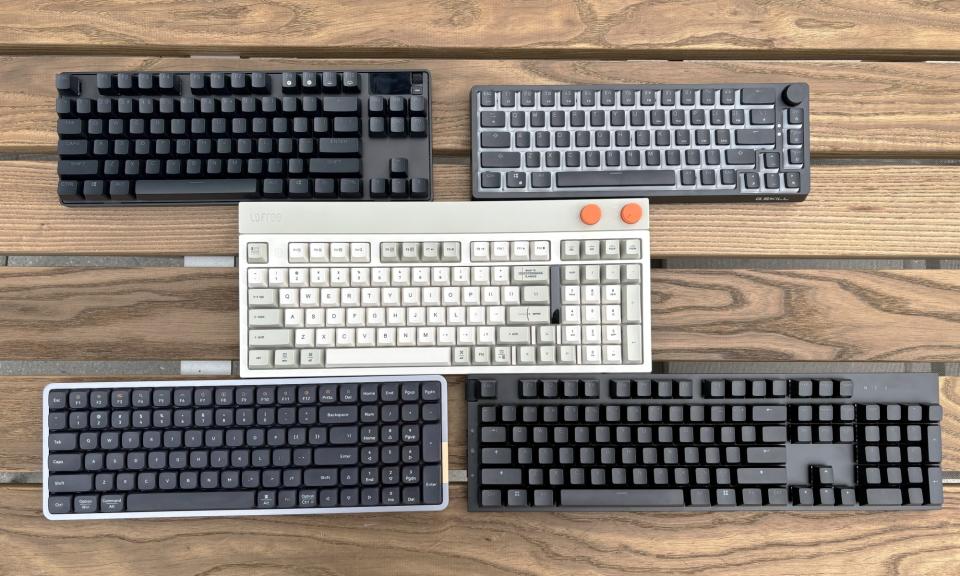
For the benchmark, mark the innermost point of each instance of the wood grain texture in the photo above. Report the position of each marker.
(923, 543)
(857, 108)
(906, 211)
(21, 444)
(161, 313)
(734, 315)
(21, 426)
(840, 315)
(541, 28)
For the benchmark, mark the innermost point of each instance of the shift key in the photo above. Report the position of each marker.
(500, 159)
(70, 482)
(87, 167)
(338, 145)
(770, 455)
(334, 165)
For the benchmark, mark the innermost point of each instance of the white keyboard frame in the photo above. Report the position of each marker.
(466, 215)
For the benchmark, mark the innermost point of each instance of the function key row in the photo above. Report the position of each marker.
(419, 252)
(515, 251)
(777, 388)
(212, 82)
(328, 252)
(628, 97)
(628, 249)
(242, 395)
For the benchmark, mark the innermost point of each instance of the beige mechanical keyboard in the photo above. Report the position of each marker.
(450, 287)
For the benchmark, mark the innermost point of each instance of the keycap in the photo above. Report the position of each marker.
(616, 179)
(184, 501)
(245, 188)
(622, 498)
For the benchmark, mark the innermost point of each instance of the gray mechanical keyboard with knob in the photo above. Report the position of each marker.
(680, 143)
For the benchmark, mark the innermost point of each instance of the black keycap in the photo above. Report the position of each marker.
(592, 178)
(622, 498)
(757, 96)
(500, 159)
(70, 482)
(755, 137)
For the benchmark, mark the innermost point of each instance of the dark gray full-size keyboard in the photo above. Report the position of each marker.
(704, 442)
(686, 142)
(224, 137)
(244, 447)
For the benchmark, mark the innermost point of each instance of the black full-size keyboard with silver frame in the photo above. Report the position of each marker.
(189, 448)
(679, 142)
(704, 442)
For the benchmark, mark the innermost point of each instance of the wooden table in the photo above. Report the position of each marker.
(879, 104)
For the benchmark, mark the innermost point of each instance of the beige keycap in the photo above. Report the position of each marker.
(262, 298)
(528, 314)
(266, 318)
(513, 335)
(270, 338)
(319, 252)
(632, 348)
(260, 359)
(257, 253)
(522, 275)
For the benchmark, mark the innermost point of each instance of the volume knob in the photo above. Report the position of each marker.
(795, 94)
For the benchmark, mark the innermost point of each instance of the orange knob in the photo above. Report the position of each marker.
(590, 214)
(631, 213)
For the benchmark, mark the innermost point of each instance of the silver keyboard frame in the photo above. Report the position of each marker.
(252, 218)
(256, 512)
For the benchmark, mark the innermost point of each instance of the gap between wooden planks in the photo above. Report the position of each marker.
(856, 108)
(905, 211)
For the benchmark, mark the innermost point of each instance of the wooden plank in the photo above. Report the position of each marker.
(21, 427)
(884, 211)
(457, 542)
(21, 442)
(734, 315)
(857, 108)
(543, 28)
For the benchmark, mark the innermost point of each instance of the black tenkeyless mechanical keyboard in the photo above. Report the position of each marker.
(693, 142)
(230, 447)
(224, 137)
(704, 442)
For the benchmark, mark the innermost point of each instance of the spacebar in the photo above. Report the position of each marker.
(619, 178)
(181, 501)
(663, 497)
(365, 357)
(227, 189)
